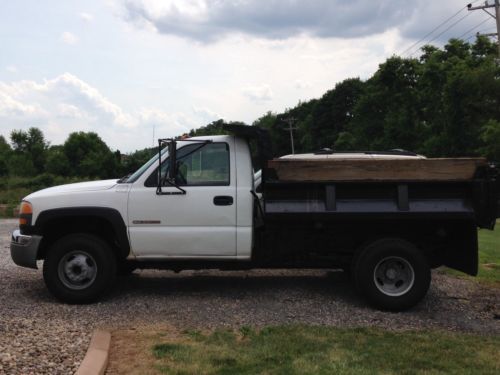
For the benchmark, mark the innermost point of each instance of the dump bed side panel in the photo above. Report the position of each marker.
(307, 219)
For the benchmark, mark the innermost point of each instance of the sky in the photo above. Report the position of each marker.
(136, 70)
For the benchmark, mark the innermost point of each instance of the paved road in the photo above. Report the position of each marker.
(40, 335)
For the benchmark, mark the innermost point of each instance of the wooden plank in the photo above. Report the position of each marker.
(458, 169)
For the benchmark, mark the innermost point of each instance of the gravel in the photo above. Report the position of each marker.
(41, 335)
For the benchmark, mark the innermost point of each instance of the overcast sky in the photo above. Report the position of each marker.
(123, 67)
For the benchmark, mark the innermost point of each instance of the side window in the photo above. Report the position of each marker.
(198, 165)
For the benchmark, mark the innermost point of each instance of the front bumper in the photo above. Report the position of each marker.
(24, 249)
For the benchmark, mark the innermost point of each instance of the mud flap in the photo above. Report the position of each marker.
(462, 255)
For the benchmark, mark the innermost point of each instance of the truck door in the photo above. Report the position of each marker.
(201, 223)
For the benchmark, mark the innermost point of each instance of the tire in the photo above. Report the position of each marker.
(392, 274)
(79, 268)
(125, 269)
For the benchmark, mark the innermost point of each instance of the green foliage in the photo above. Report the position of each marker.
(446, 103)
(490, 137)
(29, 149)
(214, 128)
(20, 164)
(326, 350)
(88, 155)
(14, 188)
(5, 151)
(132, 162)
(57, 161)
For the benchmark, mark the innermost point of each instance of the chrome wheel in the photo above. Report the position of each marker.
(394, 276)
(77, 270)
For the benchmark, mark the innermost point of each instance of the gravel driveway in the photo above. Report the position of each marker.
(40, 335)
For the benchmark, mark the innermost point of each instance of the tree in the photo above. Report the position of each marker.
(133, 161)
(5, 152)
(32, 145)
(57, 162)
(89, 156)
(490, 137)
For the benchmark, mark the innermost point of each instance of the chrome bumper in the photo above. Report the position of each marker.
(24, 249)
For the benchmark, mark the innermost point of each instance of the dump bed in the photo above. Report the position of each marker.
(382, 188)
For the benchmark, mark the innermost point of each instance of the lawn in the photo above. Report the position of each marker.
(489, 257)
(489, 254)
(321, 350)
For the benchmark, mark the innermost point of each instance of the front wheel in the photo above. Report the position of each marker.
(79, 268)
(392, 274)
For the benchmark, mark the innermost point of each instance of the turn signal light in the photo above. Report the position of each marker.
(25, 212)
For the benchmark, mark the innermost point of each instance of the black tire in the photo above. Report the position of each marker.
(125, 269)
(392, 274)
(79, 256)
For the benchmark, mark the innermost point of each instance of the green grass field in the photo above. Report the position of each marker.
(326, 350)
(489, 254)
(489, 257)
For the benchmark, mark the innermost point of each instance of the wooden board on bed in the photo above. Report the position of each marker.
(456, 169)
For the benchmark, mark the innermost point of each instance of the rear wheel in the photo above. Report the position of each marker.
(392, 274)
(79, 268)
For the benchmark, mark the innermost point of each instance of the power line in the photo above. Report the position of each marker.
(437, 27)
(478, 33)
(441, 33)
(472, 29)
(432, 31)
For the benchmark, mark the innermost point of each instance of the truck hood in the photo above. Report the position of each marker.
(73, 188)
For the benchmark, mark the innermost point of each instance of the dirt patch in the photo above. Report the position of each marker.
(131, 349)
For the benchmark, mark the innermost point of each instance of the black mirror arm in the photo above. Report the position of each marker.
(169, 177)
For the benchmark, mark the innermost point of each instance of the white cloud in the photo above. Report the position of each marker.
(10, 106)
(11, 69)
(208, 20)
(211, 20)
(86, 17)
(206, 114)
(262, 93)
(300, 84)
(69, 38)
(66, 104)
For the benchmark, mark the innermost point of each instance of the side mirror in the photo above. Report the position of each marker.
(172, 161)
(172, 168)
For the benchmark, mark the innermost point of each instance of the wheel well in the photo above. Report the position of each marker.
(57, 228)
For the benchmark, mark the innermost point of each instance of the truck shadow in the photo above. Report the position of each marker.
(240, 284)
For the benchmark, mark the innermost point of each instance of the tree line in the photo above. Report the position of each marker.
(445, 103)
(82, 155)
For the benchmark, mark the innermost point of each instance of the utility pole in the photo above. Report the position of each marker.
(290, 121)
(496, 16)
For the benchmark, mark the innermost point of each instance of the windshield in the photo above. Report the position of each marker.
(134, 176)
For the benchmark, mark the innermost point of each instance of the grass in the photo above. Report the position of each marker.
(13, 189)
(489, 257)
(325, 350)
(489, 254)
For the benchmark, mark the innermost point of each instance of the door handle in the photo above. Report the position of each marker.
(223, 200)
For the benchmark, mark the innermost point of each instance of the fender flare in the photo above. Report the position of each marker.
(111, 215)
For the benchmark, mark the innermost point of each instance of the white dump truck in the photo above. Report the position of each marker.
(386, 218)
